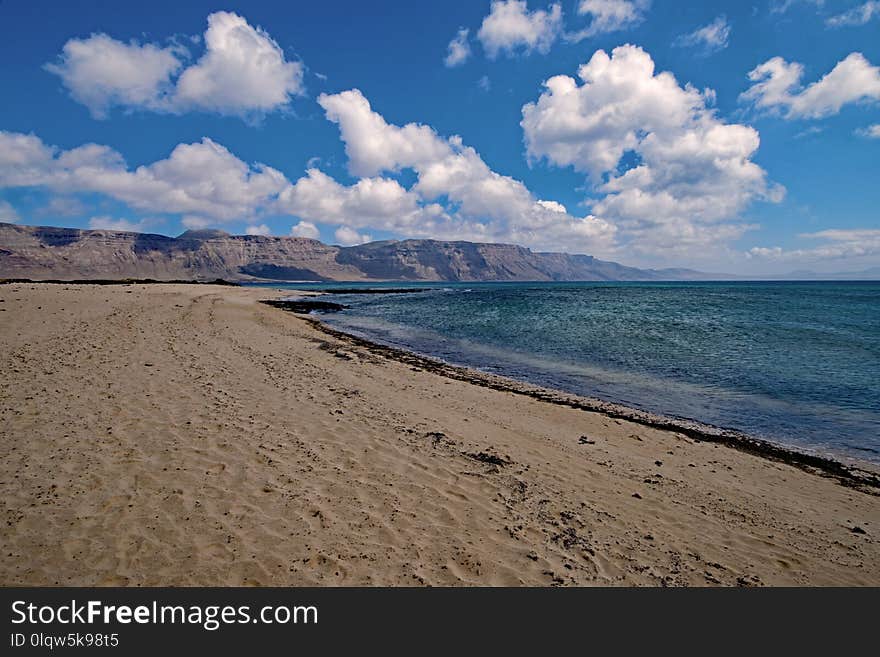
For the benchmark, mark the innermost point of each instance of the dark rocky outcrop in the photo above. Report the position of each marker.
(305, 306)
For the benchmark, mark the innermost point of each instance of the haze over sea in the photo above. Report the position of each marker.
(797, 363)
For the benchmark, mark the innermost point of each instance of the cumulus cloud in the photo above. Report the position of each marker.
(305, 229)
(372, 145)
(101, 72)
(609, 16)
(376, 202)
(195, 222)
(8, 213)
(554, 206)
(858, 15)
(105, 222)
(243, 72)
(669, 173)
(203, 180)
(709, 38)
(777, 87)
(456, 194)
(871, 132)
(261, 229)
(837, 244)
(459, 49)
(510, 28)
(347, 236)
(764, 252)
(62, 206)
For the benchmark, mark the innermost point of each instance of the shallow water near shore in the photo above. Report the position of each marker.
(797, 363)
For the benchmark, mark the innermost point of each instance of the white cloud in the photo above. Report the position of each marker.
(838, 244)
(773, 81)
(777, 87)
(347, 236)
(764, 252)
(782, 6)
(845, 235)
(709, 38)
(456, 196)
(689, 174)
(242, 72)
(261, 229)
(105, 222)
(194, 222)
(8, 213)
(609, 16)
(305, 229)
(63, 206)
(23, 159)
(459, 49)
(101, 72)
(809, 132)
(859, 15)
(203, 180)
(371, 144)
(871, 132)
(480, 204)
(554, 206)
(371, 202)
(510, 28)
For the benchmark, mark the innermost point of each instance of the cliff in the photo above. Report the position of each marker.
(39, 252)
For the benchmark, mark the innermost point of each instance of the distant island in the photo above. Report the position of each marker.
(43, 252)
(49, 253)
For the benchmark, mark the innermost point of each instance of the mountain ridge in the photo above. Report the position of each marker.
(47, 252)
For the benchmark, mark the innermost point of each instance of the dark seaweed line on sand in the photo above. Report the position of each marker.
(851, 476)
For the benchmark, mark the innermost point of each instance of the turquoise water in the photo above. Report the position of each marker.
(795, 363)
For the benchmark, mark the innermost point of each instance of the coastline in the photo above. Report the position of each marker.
(190, 435)
(857, 473)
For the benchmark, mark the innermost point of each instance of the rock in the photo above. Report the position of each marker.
(487, 457)
(305, 306)
(436, 437)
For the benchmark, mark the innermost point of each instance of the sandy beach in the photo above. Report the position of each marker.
(189, 435)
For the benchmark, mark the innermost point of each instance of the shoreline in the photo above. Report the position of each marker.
(858, 473)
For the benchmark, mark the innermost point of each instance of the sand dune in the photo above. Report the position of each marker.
(188, 435)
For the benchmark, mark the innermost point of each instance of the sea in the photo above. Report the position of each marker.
(794, 363)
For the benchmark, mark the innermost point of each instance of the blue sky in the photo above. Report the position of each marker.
(720, 135)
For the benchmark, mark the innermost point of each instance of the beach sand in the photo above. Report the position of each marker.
(188, 435)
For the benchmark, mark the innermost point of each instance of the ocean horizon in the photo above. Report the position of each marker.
(795, 363)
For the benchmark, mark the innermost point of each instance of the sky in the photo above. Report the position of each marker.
(725, 136)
